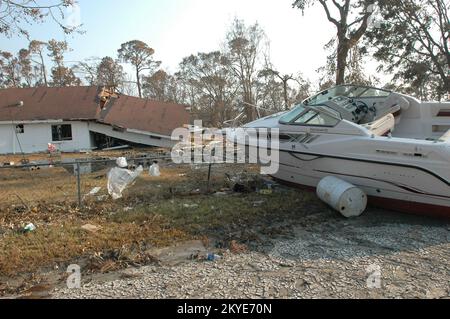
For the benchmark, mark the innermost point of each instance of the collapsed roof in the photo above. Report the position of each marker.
(91, 103)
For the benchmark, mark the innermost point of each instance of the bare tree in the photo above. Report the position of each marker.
(349, 33)
(156, 85)
(61, 75)
(110, 73)
(26, 70)
(36, 48)
(247, 49)
(303, 90)
(413, 41)
(161, 86)
(14, 14)
(279, 92)
(285, 79)
(140, 55)
(270, 95)
(128, 86)
(214, 82)
(10, 69)
(354, 73)
(88, 70)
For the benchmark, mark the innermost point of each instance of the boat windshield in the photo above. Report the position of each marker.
(350, 91)
(302, 115)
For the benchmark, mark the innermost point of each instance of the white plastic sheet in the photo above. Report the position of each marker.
(119, 179)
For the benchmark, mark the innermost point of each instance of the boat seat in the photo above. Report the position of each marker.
(395, 104)
(445, 137)
(382, 126)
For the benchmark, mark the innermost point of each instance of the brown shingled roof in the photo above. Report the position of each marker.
(49, 103)
(82, 103)
(162, 118)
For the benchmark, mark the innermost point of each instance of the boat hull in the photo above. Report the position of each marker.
(394, 186)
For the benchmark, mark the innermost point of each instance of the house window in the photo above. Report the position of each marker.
(61, 133)
(20, 129)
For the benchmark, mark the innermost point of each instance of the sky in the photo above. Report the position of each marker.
(179, 28)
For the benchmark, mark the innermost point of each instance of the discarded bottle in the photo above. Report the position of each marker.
(29, 228)
(213, 257)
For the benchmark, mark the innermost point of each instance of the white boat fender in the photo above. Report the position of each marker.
(342, 196)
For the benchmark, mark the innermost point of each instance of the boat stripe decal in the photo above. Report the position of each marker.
(368, 161)
(304, 160)
(402, 186)
(372, 161)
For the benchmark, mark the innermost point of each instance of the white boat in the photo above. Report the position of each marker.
(393, 146)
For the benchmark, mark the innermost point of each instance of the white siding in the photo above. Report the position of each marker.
(36, 136)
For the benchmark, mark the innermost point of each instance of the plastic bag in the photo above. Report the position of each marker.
(154, 170)
(119, 179)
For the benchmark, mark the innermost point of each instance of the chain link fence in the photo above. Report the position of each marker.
(70, 182)
(79, 182)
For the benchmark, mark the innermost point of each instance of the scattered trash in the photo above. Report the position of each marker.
(267, 188)
(244, 182)
(120, 178)
(239, 188)
(154, 169)
(127, 209)
(94, 191)
(102, 198)
(182, 175)
(91, 228)
(213, 257)
(267, 191)
(258, 203)
(190, 205)
(220, 194)
(29, 228)
(236, 248)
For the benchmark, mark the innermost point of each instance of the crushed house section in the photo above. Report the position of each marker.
(83, 118)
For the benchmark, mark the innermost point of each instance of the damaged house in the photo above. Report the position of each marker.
(83, 118)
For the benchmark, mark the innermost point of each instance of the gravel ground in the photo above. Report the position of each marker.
(380, 255)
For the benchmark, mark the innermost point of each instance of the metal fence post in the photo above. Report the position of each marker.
(213, 153)
(79, 185)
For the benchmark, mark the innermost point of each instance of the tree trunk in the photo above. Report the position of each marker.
(342, 54)
(249, 108)
(447, 86)
(138, 83)
(285, 88)
(44, 72)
